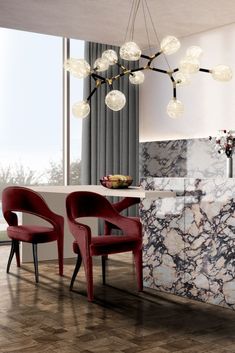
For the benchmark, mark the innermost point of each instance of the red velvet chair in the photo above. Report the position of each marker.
(21, 199)
(89, 204)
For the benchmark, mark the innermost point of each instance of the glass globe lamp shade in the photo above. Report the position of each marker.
(222, 73)
(101, 64)
(111, 56)
(81, 109)
(137, 78)
(115, 100)
(182, 79)
(175, 108)
(130, 51)
(77, 67)
(170, 45)
(194, 52)
(189, 65)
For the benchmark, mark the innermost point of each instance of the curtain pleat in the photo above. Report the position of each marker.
(110, 140)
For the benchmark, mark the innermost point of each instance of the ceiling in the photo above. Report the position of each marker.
(105, 21)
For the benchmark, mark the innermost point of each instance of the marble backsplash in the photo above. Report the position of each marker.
(195, 158)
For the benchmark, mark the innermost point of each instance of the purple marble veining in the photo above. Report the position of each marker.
(194, 158)
(163, 159)
(189, 241)
(163, 225)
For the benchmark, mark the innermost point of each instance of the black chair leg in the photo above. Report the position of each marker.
(77, 267)
(35, 260)
(103, 259)
(11, 255)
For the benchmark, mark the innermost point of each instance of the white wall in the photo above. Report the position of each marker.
(209, 104)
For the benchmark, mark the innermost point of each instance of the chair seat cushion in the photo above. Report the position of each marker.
(32, 233)
(110, 244)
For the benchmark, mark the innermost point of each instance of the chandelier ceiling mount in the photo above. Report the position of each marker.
(130, 51)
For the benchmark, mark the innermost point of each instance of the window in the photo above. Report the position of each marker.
(31, 111)
(76, 94)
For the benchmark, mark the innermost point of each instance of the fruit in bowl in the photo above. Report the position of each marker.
(116, 181)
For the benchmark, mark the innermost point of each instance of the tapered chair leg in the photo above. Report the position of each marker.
(89, 277)
(35, 260)
(11, 255)
(103, 261)
(77, 267)
(60, 246)
(139, 268)
(17, 252)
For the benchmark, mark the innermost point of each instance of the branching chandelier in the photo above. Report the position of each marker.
(130, 51)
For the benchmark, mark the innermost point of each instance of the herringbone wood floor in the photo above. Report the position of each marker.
(48, 318)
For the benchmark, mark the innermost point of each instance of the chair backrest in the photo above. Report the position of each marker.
(89, 204)
(21, 199)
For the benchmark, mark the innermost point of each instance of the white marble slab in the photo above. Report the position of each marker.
(189, 240)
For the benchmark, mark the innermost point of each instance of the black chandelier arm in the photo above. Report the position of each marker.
(138, 69)
(204, 70)
(159, 70)
(174, 91)
(156, 55)
(95, 76)
(91, 94)
(145, 57)
(172, 78)
(121, 74)
(151, 58)
(126, 72)
(121, 66)
(175, 70)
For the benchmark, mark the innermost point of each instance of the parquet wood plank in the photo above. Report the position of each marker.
(48, 317)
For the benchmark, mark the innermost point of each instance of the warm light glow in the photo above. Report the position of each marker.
(101, 64)
(189, 65)
(137, 78)
(194, 51)
(81, 109)
(222, 73)
(111, 56)
(175, 108)
(77, 67)
(182, 79)
(170, 45)
(130, 51)
(115, 100)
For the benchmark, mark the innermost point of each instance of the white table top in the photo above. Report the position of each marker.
(133, 191)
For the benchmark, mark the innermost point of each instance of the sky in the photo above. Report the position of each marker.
(31, 99)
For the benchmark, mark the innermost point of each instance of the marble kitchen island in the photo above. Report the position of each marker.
(189, 240)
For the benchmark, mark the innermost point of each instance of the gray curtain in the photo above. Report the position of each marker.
(110, 140)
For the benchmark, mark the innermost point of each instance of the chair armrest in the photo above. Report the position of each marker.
(125, 203)
(81, 232)
(57, 221)
(130, 226)
(11, 218)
